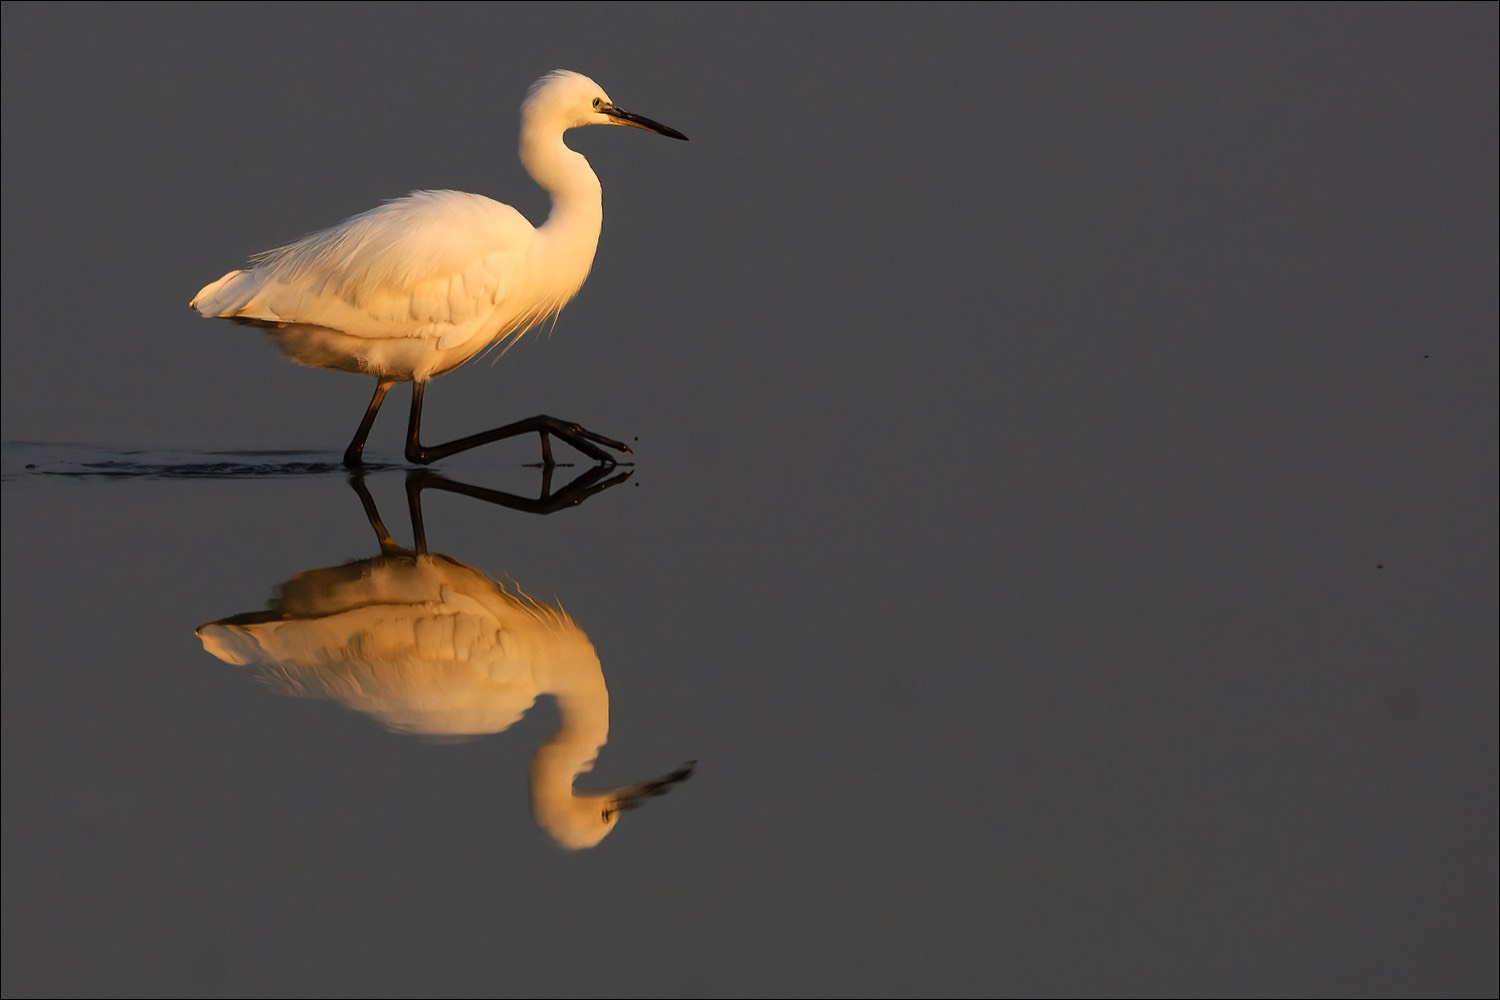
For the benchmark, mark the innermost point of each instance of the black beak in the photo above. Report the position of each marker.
(623, 117)
(632, 796)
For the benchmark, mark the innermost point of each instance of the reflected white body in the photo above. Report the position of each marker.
(429, 646)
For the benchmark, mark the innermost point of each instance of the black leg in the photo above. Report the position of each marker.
(414, 511)
(584, 440)
(593, 480)
(372, 513)
(354, 454)
(586, 484)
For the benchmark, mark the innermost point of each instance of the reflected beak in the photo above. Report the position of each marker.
(633, 795)
(620, 116)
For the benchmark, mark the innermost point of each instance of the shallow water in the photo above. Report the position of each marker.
(1005, 785)
(1062, 533)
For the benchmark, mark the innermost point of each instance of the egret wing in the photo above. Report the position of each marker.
(435, 264)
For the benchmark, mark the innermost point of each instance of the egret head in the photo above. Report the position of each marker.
(570, 100)
(578, 821)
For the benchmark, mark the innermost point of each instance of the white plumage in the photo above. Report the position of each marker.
(430, 646)
(420, 285)
(435, 267)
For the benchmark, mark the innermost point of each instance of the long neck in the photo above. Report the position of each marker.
(573, 819)
(571, 232)
(577, 682)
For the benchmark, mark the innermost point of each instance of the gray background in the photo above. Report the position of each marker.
(1064, 527)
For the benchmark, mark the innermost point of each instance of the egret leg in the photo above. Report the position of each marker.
(584, 440)
(354, 454)
(388, 544)
(595, 479)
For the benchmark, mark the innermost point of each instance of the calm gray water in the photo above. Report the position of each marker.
(1063, 530)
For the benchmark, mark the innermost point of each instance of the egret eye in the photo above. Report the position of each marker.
(598, 101)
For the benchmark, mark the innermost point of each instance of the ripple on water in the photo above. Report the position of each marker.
(25, 460)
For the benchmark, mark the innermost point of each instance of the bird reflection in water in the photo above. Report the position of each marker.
(431, 647)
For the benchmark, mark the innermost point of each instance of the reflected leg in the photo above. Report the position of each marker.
(589, 482)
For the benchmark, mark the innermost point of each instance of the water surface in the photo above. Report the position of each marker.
(1063, 529)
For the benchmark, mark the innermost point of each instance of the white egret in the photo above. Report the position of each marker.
(427, 645)
(422, 284)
